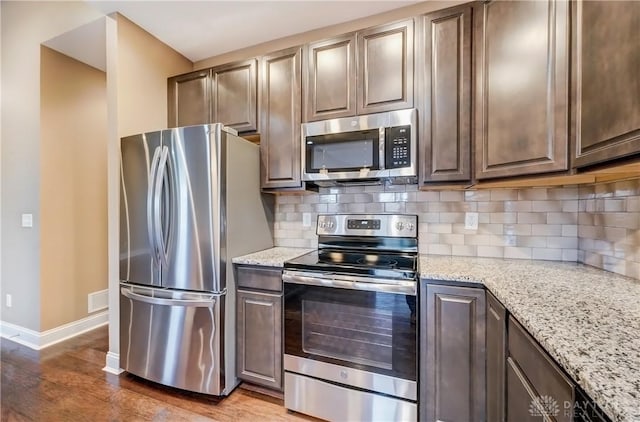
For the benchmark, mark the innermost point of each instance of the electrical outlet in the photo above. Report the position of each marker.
(306, 219)
(471, 221)
(9, 301)
(27, 220)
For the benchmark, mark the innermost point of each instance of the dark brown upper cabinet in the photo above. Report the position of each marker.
(522, 90)
(605, 93)
(235, 88)
(330, 86)
(444, 100)
(189, 99)
(280, 119)
(224, 94)
(385, 68)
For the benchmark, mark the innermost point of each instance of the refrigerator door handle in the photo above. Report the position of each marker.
(150, 204)
(194, 303)
(157, 205)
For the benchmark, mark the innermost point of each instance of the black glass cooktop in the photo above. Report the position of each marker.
(377, 264)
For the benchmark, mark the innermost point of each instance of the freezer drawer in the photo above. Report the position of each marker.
(172, 337)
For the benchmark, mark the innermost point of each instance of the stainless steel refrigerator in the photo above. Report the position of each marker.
(190, 201)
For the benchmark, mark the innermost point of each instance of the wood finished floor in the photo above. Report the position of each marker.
(65, 382)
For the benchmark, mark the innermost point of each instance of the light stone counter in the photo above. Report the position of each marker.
(273, 257)
(587, 319)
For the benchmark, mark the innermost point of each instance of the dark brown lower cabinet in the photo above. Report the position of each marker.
(452, 354)
(537, 389)
(496, 358)
(520, 397)
(259, 326)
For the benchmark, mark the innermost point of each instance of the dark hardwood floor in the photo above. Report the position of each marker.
(65, 382)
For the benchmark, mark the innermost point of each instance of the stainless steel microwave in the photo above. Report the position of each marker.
(361, 149)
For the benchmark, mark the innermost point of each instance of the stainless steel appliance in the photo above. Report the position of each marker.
(350, 326)
(365, 149)
(190, 201)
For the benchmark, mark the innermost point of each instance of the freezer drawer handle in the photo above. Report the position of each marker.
(196, 303)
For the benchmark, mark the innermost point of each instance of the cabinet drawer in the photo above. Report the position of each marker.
(520, 397)
(262, 278)
(544, 375)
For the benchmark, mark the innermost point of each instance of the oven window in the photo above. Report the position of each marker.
(371, 331)
(349, 151)
(347, 332)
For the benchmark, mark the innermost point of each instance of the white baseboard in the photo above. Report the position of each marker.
(113, 364)
(39, 340)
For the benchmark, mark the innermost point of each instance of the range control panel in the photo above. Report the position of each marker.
(363, 224)
(398, 147)
(386, 225)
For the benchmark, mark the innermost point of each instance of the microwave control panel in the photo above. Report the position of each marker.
(398, 147)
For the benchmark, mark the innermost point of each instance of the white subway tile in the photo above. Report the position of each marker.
(547, 254)
(464, 250)
(491, 251)
(517, 253)
(570, 230)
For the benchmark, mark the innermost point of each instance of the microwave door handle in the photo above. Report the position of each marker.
(381, 147)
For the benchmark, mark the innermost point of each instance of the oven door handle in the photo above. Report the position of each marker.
(403, 288)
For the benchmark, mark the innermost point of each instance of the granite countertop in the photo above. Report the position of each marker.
(273, 257)
(587, 319)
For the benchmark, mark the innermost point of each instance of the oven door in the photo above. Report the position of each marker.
(352, 330)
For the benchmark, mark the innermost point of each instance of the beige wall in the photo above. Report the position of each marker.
(73, 187)
(24, 26)
(327, 32)
(138, 66)
(144, 64)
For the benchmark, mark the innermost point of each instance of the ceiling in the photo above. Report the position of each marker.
(203, 29)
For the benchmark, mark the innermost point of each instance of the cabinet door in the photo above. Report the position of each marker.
(235, 88)
(189, 97)
(496, 358)
(259, 338)
(331, 78)
(385, 68)
(606, 88)
(280, 119)
(445, 99)
(521, 111)
(452, 355)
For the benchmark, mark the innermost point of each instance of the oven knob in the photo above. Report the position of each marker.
(329, 224)
(322, 224)
(409, 226)
(399, 225)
